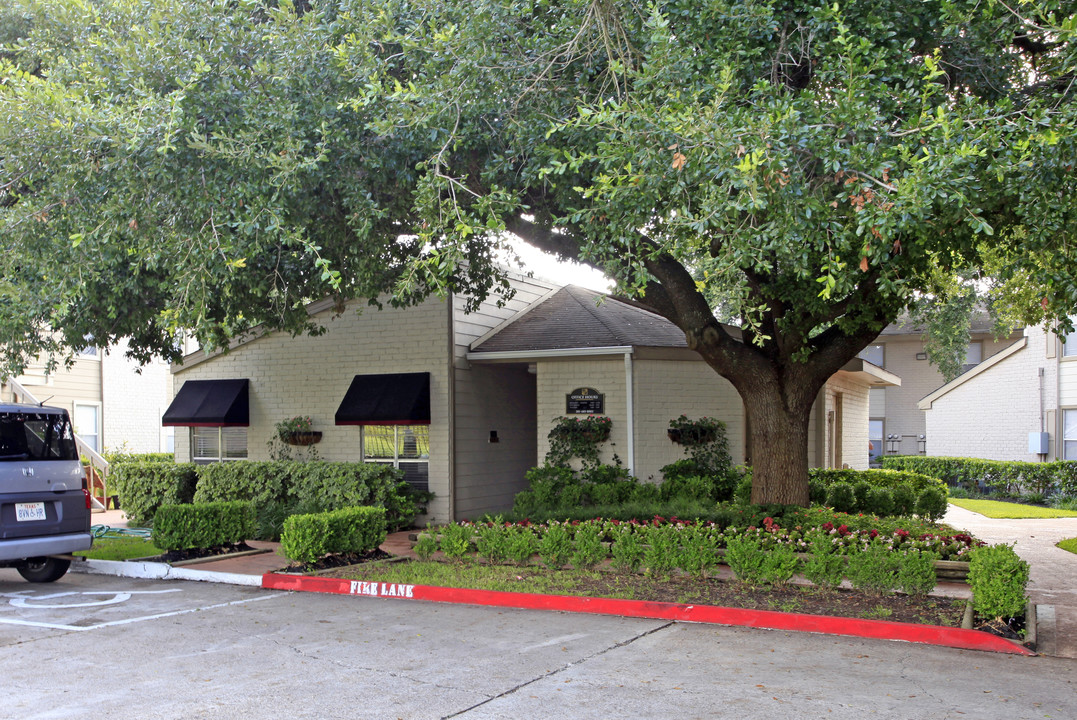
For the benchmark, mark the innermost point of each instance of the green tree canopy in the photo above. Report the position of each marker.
(810, 169)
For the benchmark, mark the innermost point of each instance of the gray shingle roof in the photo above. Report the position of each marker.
(571, 318)
(981, 322)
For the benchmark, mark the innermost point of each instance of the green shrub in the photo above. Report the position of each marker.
(685, 467)
(874, 569)
(931, 504)
(282, 488)
(861, 491)
(627, 552)
(119, 457)
(825, 567)
(879, 501)
(998, 578)
(904, 500)
(646, 493)
(427, 544)
(660, 554)
(999, 476)
(306, 538)
(698, 551)
(260, 482)
(743, 493)
(455, 541)
(605, 474)
(841, 497)
(143, 487)
(491, 542)
(555, 547)
(588, 549)
(357, 529)
(916, 573)
(520, 545)
(746, 558)
(204, 525)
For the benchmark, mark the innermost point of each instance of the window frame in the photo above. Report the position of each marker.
(1066, 441)
(397, 459)
(220, 432)
(96, 435)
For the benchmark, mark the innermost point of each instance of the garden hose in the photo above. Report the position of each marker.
(102, 531)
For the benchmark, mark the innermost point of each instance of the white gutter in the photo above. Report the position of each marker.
(630, 402)
(521, 355)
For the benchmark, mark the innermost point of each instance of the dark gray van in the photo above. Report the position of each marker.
(44, 507)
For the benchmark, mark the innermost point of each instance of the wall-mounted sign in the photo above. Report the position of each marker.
(585, 401)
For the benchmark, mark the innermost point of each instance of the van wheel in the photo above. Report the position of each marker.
(44, 569)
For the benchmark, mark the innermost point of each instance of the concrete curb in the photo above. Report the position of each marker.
(161, 571)
(764, 619)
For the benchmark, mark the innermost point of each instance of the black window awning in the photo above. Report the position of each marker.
(395, 399)
(210, 403)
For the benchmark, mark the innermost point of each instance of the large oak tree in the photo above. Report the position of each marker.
(807, 169)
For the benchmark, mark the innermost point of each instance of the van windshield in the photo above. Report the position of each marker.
(36, 436)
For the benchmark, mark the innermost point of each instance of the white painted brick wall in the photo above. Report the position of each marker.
(991, 415)
(919, 378)
(133, 402)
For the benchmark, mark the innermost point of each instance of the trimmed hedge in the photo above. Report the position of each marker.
(204, 525)
(119, 458)
(278, 488)
(143, 487)
(354, 529)
(553, 490)
(1009, 477)
(878, 492)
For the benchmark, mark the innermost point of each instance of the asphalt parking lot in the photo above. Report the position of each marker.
(102, 646)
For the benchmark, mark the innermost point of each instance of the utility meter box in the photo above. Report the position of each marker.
(1039, 442)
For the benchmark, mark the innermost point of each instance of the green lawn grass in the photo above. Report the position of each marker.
(120, 548)
(1069, 545)
(997, 509)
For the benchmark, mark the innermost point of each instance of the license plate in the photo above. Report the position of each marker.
(29, 511)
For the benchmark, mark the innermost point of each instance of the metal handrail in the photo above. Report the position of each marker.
(20, 394)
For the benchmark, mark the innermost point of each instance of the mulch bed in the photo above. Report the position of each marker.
(174, 556)
(330, 562)
(730, 593)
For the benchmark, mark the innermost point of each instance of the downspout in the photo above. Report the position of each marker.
(630, 400)
(450, 304)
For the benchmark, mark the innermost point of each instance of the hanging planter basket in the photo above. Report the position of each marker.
(308, 437)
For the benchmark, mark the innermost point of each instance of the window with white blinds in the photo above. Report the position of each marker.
(215, 444)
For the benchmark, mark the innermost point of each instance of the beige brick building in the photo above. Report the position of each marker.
(463, 402)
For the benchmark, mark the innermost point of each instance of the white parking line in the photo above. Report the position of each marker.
(128, 621)
(26, 599)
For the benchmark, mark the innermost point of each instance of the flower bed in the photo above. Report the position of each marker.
(842, 537)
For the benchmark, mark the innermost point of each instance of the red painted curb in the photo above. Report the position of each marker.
(768, 619)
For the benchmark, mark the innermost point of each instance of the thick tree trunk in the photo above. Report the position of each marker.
(778, 446)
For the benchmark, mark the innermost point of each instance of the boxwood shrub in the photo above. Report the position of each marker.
(354, 529)
(202, 525)
(119, 458)
(282, 488)
(143, 487)
(1008, 477)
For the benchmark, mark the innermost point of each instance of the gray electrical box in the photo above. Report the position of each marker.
(1039, 442)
